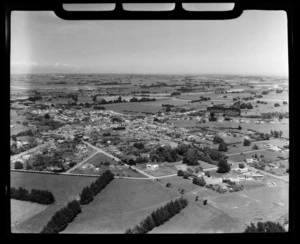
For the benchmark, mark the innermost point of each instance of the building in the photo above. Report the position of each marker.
(152, 166)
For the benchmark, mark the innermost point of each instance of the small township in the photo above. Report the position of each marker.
(215, 138)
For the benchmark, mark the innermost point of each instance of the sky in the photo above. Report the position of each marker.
(253, 44)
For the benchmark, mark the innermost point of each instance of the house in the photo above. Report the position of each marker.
(213, 181)
(152, 166)
(239, 170)
(273, 165)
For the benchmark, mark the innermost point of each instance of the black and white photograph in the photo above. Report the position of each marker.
(149, 126)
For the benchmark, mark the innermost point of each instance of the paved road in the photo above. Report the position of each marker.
(28, 151)
(100, 150)
(76, 166)
(117, 159)
(232, 154)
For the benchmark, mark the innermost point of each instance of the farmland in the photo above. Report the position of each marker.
(21, 210)
(121, 205)
(231, 212)
(64, 189)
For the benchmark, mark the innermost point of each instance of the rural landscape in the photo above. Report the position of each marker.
(132, 153)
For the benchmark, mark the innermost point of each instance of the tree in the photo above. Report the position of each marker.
(18, 165)
(264, 227)
(240, 127)
(255, 147)
(247, 142)
(86, 196)
(94, 98)
(180, 172)
(218, 139)
(241, 165)
(192, 157)
(47, 116)
(223, 147)
(199, 181)
(223, 166)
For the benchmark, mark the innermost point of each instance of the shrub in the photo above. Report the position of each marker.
(199, 181)
(247, 142)
(241, 165)
(168, 184)
(18, 165)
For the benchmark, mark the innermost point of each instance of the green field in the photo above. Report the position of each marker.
(146, 107)
(23, 210)
(229, 212)
(64, 189)
(121, 205)
(196, 218)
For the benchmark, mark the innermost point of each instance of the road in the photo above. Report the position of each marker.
(28, 151)
(232, 154)
(269, 174)
(100, 150)
(76, 166)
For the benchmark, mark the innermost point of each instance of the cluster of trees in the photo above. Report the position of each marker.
(223, 166)
(264, 227)
(35, 195)
(261, 102)
(247, 142)
(276, 134)
(143, 99)
(16, 150)
(265, 92)
(199, 181)
(218, 139)
(42, 161)
(62, 218)
(159, 216)
(175, 94)
(276, 105)
(35, 98)
(279, 91)
(167, 154)
(88, 193)
(167, 105)
(212, 117)
(139, 145)
(223, 147)
(246, 106)
(204, 98)
(25, 133)
(138, 160)
(99, 107)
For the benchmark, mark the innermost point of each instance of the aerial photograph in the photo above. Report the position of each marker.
(149, 126)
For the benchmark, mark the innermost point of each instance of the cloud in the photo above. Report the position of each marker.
(34, 67)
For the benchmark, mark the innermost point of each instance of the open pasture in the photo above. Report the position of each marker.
(121, 205)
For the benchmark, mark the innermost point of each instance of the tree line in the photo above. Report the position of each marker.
(66, 215)
(62, 218)
(38, 196)
(88, 193)
(159, 216)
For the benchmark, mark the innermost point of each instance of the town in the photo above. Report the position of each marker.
(203, 137)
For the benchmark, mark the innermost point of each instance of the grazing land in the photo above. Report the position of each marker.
(123, 203)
